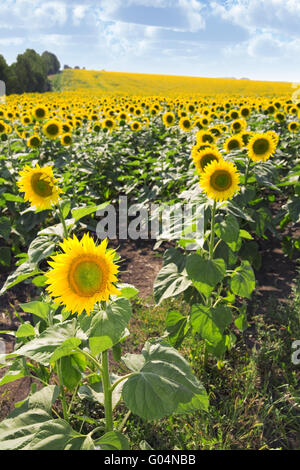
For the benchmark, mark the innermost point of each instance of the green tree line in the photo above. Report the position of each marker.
(29, 73)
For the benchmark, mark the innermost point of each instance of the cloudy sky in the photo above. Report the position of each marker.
(258, 39)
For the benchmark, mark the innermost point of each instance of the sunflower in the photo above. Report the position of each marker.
(205, 137)
(185, 124)
(246, 137)
(66, 128)
(204, 121)
(168, 119)
(273, 136)
(26, 120)
(66, 139)
(220, 180)
(34, 141)
(238, 126)
(40, 113)
(8, 129)
(205, 156)
(135, 126)
(52, 129)
(234, 114)
(233, 143)
(108, 124)
(279, 117)
(82, 275)
(153, 111)
(245, 112)
(293, 126)
(261, 147)
(39, 186)
(138, 111)
(2, 127)
(123, 117)
(191, 108)
(145, 121)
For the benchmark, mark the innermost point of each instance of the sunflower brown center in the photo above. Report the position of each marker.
(40, 112)
(67, 139)
(41, 185)
(233, 145)
(221, 180)
(206, 159)
(52, 129)
(35, 142)
(261, 146)
(85, 277)
(207, 138)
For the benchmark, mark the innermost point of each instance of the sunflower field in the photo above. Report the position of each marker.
(206, 361)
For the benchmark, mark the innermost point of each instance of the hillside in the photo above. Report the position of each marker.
(150, 84)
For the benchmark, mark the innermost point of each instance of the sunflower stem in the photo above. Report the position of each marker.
(107, 392)
(62, 219)
(247, 171)
(62, 391)
(212, 231)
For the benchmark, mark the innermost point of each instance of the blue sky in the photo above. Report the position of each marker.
(257, 39)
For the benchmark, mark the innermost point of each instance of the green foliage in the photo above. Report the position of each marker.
(29, 73)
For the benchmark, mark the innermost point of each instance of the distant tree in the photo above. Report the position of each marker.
(51, 63)
(66, 67)
(77, 67)
(31, 72)
(13, 85)
(4, 69)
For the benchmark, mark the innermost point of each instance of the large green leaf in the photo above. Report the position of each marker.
(243, 280)
(16, 371)
(170, 282)
(113, 440)
(205, 273)
(40, 248)
(42, 347)
(25, 330)
(24, 271)
(228, 229)
(55, 434)
(175, 326)
(164, 381)
(19, 429)
(94, 392)
(107, 327)
(203, 322)
(38, 308)
(79, 213)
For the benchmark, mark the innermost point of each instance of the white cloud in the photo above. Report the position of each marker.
(192, 10)
(188, 12)
(265, 48)
(54, 40)
(281, 16)
(126, 38)
(33, 14)
(79, 12)
(50, 14)
(11, 41)
(265, 45)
